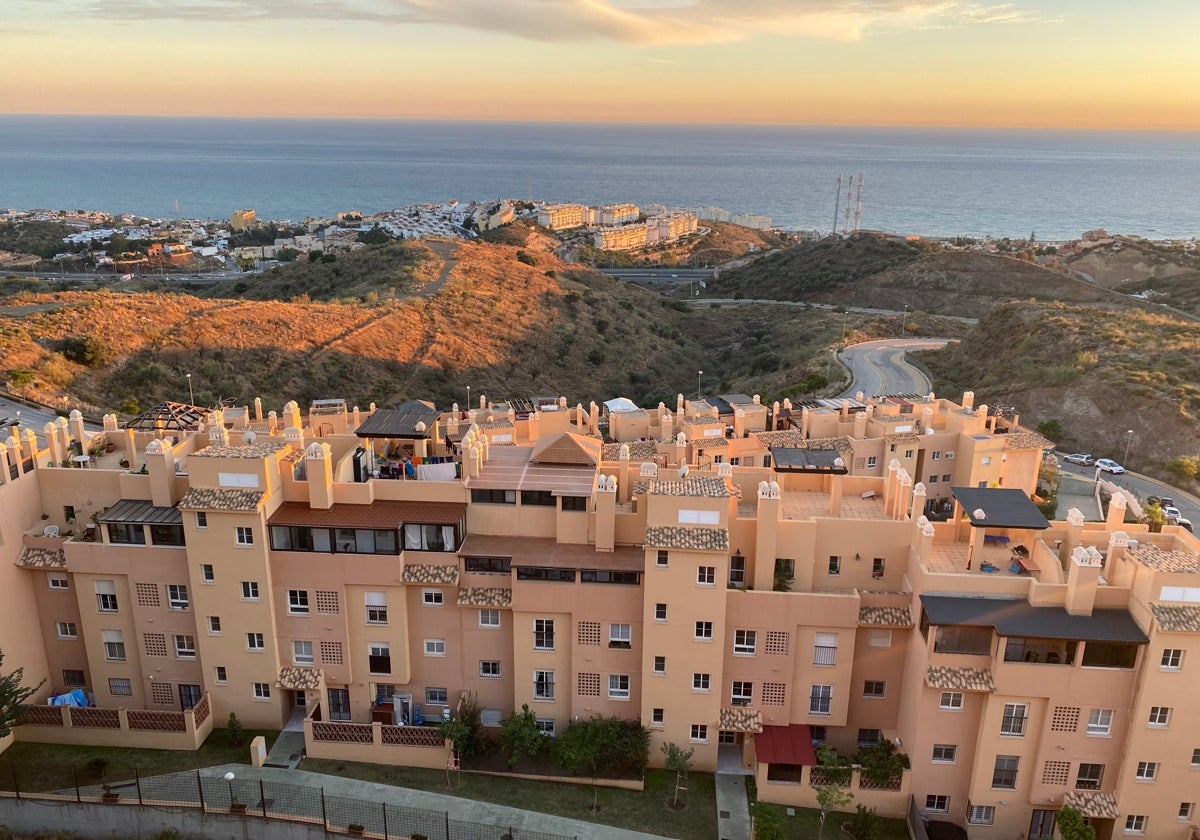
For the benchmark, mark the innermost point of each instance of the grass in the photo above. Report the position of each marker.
(45, 766)
(640, 811)
(807, 822)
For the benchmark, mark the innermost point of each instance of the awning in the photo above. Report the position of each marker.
(140, 512)
(1002, 508)
(785, 745)
(413, 420)
(381, 515)
(790, 459)
(1016, 617)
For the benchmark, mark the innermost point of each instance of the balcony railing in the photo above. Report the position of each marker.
(824, 655)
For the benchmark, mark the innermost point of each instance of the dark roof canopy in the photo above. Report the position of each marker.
(172, 416)
(140, 512)
(400, 422)
(785, 745)
(1015, 617)
(1002, 508)
(791, 459)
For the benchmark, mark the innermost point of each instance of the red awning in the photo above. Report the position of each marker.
(785, 745)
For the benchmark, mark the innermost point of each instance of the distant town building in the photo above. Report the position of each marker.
(562, 216)
(242, 219)
(752, 220)
(710, 214)
(654, 231)
(619, 214)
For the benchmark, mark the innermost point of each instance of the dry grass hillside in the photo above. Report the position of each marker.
(1130, 261)
(1099, 371)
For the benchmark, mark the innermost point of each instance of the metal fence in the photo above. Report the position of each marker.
(256, 799)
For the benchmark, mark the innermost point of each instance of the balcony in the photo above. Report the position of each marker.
(378, 743)
(141, 728)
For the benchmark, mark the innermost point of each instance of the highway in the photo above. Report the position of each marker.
(663, 276)
(879, 367)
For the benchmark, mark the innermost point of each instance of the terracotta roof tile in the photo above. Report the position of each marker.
(1026, 439)
(960, 679)
(485, 596)
(300, 678)
(713, 488)
(1177, 619)
(1167, 560)
(639, 450)
(694, 538)
(567, 448)
(440, 573)
(740, 719)
(48, 558)
(1093, 803)
(214, 498)
(885, 616)
(252, 451)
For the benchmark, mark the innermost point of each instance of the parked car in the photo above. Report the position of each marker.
(1161, 501)
(8, 421)
(1110, 466)
(1184, 523)
(1172, 513)
(1079, 458)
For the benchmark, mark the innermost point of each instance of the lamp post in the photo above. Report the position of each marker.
(468, 398)
(698, 374)
(1128, 440)
(229, 777)
(904, 321)
(191, 394)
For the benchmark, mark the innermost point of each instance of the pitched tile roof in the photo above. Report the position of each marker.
(885, 616)
(902, 437)
(42, 557)
(740, 719)
(300, 678)
(484, 596)
(639, 450)
(1093, 803)
(791, 438)
(1177, 619)
(250, 451)
(567, 448)
(960, 679)
(713, 488)
(216, 498)
(1026, 439)
(441, 573)
(1167, 560)
(694, 538)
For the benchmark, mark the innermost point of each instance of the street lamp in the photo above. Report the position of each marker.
(229, 777)
(468, 398)
(1128, 440)
(191, 395)
(904, 321)
(698, 373)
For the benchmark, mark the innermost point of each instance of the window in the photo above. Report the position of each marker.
(494, 497)
(908, 453)
(1159, 716)
(114, 646)
(126, 534)
(872, 462)
(1004, 775)
(432, 597)
(975, 641)
(874, 688)
(618, 687)
(379, 658)
(657, 717)
(376, 604)
(660, 612)
(1147, 771)
(742, 694)
(699, 733)
(106, 596)
(201, 520)
(877, 568)
(660, 664)
(489, 668)
(1013, 721)
(950, 455)
(546, 574)
(933, 479)
(951, 700)
(66, 630)
(981, 814)
(1100, 721)
(166, 535)
(539, 498)
(206, 573)
(489, 618)
(706, 575)
(1185, 810)
(819, 735)
(1196, 758)
(1109, 655)
(745, 641)
(72, 677)
(543, 634)
(488, 565)
(177, 597)
(435, 647)
(575, 503)
(820, 700)
(699, 517)
(119, 687)
(436, 696)
(946, 478)
(302, 652)
(545, 726)
(835, 564)
(254, 641)
(297, 602)
(985, 461)
(934, 456)
(262, 691)
(58, 582)
(543, 685)
(620, 636)
(737, 571)
(1172, 659)
(1089, 777)
(185, 646)
(825, 649)
(1135, 824)
(214, 625)
(937, 803)
(704, 630)
(243, 535)
(662, 559)
(700, 682)
(249, 590)
(879, 638)
(945, 753)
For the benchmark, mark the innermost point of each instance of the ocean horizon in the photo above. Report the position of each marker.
(927, 181)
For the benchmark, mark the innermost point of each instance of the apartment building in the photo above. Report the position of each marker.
(747, 580)
(563, 216)
(242, 219)
(618, 214)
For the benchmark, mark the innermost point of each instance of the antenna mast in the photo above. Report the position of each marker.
(858, 204)
(849, 196)
(837, 198)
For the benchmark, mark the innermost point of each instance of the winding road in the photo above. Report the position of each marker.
(880, 367)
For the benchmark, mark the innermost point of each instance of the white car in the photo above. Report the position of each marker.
(1172, 513)
(1078, 458)
(1109, 466)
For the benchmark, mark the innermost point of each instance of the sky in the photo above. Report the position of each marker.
(1026, 63)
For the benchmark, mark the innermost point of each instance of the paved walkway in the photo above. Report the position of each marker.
(732, 801)
(466, 810)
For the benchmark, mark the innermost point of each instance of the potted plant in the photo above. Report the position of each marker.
(110, 796)
(237, 807)
(356, 829)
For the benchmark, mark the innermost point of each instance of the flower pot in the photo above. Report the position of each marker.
(110, 798)
(237, 808)
(355, 830)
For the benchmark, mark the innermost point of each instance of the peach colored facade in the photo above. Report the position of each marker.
(737, 576)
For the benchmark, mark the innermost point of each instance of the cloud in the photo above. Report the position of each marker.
(636, 22)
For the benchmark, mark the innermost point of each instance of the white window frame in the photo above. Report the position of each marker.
(879, 638)
(435, 695)
(207, 573)
(106, 597)
(701, 682)
(261, 691)
(949, 754)
(699, 733)
(220, 675)
(178, 597)
(703, 631)
(1172, 659)
(658, 716)
(58, 583)
(662, 559)
(820, 700)
(741, 693)
(299, 656)
(201, 520)
(939, 799)
(1185, 810)
(485, 668)
(543, 684)
(825, 646)
(489, 618)
(878, 694)
(298, 603)
(543, 627)
(435, 647)
(1135, 824)
(835, 565)
(981, 814)
(706, 575)
(1159, 717)
(1007, 720)
(122, 682)
(618, 686)
(660, 665)
(433, 598)
(114, 646)
(872, 462)
(66, 629)
(375, 604)
(214, 625)
(545, 726)
(250, 591)
(1099, 723)
(243, 536)
(660, 608)
(951, 701)
(1146, 771)
(745, 642)
(620, 636)
(179, 642)
(949, 454)
(256, 642)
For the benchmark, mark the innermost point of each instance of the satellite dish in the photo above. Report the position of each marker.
(684, 470)
(250, 437)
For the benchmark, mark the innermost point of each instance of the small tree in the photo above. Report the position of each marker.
(864, 824)
(1071, 825)
(831, 798)
(13, 696)
(520, 736)
(233, 731)
(463, 729)
(768, 823)
(679, 760)
(1155, 518)
(881, 764)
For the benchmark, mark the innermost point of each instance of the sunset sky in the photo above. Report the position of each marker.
(1054, 63)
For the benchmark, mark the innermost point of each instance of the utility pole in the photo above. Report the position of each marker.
(837, 198)
(858, 203)
(849, 187)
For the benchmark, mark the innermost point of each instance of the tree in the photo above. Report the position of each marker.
(831, 798)
(1071, 825)
(1050, 429)
(1185, 466)
(679, 760)
(233, 731)
(881, 764)
(85, 350)
(1155, 518)
(864, 824)
(13, 696)
(463, 730)
(521, 737)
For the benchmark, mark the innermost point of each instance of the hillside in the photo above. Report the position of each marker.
(1128, 260)
(1099, 371)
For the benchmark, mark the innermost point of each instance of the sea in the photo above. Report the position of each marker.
(926, 181)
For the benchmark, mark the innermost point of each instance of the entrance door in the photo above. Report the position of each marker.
(339, 704)
(189, 696)
(301, 699)
(404, 705)
(1041, 827)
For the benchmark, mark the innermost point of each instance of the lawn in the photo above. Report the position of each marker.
(807, 822)
(641, 811)
(49, 766)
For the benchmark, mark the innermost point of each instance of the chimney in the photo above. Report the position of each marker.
(4, 459)
(57, 452)
(739, 423)
(318, 463)
(1118, 552)
(1116, 511)
(160, 463)
(1083, 578)
(860, 424)
(77, 430)
(968, 399)
(917, 508)
(606, 512)
(258, 415)
(766, 539)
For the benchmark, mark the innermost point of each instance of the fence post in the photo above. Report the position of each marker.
(383, 806)
(200, 788)
(12, 765)
(75, 776)
(324, 813)
(137, 778)
(262, 797)
(446, 814)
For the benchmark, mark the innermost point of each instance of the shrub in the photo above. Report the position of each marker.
(526, 257)
(520, 736)
(768, 823)
(881, 764)
(864, 825)
(234, 733)
(96, 766)
(86, 350)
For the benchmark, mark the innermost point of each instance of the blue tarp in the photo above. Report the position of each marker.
(73, 698)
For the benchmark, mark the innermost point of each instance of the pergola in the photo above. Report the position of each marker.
(169, 416)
